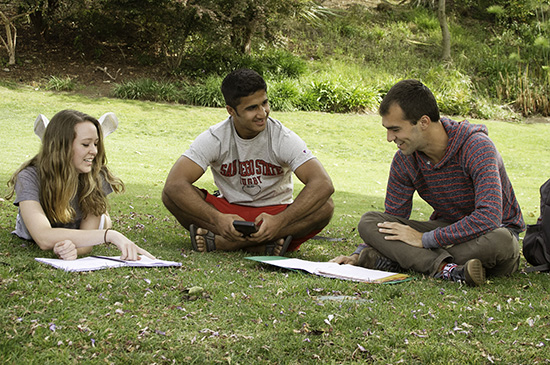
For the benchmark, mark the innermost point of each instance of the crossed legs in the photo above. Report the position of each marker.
(497, 250)
(300, 230)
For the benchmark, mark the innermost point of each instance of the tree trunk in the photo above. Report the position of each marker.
(241, 37)
(247, 41)
(11, 38)
(446, 35)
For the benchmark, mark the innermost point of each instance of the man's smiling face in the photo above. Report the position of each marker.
(403, 133)
(250, 116)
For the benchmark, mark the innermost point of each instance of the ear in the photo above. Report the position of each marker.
(425, 122)
(231, 111)
(109, 123)
(40, 125)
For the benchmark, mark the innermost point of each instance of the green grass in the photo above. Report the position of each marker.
(253, 313)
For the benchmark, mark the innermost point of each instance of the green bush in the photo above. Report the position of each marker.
(452, 90)
(282, 63)
(338, 98)
(283, 95)
(205, 92)
(308, 102)
(147, 89)
(221, 61)
(201, 63)
(60, 83)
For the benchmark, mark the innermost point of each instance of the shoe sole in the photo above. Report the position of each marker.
(367, 258)
(474, 273)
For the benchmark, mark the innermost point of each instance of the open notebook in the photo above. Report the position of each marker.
(92, 263)
(333, 270)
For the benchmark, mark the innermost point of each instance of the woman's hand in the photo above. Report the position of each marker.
(350, 260)
(128, 250)
(65, 250)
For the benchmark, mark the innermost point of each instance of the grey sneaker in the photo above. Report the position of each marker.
(471, 273)
(372, 259)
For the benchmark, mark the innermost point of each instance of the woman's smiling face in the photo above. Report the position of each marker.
(84, 146)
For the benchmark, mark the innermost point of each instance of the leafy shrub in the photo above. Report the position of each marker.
(221, 61)
(147, 89)
(308, 102)
(338, 98)
(205, 92)
(60, 83)
(452, 90)
(283, 63)
(203, 63)
(283, 95)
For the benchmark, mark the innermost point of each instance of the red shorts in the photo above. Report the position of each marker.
(250, 214)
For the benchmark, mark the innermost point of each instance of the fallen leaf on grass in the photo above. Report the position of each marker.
(194, 293)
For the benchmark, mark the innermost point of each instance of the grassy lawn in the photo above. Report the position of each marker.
(252, 313)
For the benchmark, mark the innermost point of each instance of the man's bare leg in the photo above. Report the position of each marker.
(316, 221)
(184, 218)
(313, 222)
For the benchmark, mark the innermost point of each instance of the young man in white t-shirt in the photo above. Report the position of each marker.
(252, 158)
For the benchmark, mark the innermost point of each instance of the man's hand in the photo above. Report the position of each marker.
(268, 228)
(350, 260)
(400, 232)
(65, 250)
(225, 228)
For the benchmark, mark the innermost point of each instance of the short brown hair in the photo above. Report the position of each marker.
(414, 98)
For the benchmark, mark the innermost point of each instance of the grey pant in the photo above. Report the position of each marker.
(497, 250)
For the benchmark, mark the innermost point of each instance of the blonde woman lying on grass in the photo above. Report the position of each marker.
(62, 191)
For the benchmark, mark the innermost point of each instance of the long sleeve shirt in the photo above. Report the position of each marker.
(468, 188)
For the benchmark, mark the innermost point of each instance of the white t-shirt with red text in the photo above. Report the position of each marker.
(253, 172)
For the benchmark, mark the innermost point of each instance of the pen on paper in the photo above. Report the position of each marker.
(108, 258)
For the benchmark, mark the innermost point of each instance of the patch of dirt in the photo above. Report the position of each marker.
(37, 62)
(536, 119)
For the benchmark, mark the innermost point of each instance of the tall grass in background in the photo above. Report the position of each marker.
(57, 83)
(206, 92)
(147, 89)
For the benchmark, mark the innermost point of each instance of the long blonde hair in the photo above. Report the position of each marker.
(59, 179)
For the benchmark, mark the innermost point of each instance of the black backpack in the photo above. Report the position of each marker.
(536, 243)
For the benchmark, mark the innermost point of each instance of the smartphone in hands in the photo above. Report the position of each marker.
(246, 228)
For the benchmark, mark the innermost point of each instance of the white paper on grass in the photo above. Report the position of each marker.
(92, 263)
(331, 269)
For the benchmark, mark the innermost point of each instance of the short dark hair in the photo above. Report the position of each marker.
(414, 98)
(241, 83)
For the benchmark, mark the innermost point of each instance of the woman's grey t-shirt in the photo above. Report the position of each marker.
(27, 187)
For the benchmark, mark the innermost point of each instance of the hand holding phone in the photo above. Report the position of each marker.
(246, 228)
